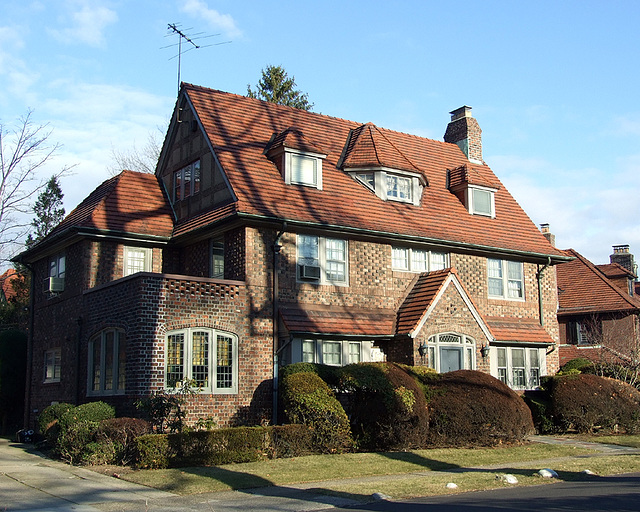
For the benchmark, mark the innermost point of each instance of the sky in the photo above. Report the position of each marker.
(552, 84)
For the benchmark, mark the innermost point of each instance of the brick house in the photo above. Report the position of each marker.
(599, 311)
(386, 246)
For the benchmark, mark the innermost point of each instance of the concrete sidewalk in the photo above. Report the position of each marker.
(29, 481)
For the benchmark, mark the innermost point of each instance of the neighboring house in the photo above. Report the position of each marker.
(598, 312)
(7, 291)
(387, 247)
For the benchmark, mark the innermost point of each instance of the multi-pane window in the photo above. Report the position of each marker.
(207, 358)
(309, 351)
(518, 367)
(57, 266)
(107, 363)
(335, 352)
(322, 260)
(399, 188)
(506, 278)
(186, 181)
(136, 259)
(332, 353)
(451, 351)
(217, 259)
(355, 352)
(52, 365)
(417, 260)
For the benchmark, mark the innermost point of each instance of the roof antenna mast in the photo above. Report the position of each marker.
(174, 29)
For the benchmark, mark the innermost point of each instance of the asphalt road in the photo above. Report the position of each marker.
(620, 493)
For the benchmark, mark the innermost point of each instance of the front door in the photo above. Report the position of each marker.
(450, 359)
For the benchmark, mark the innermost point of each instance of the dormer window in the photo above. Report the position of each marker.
(481, 201)
(303, 169)
(399, 188)
(392, 185)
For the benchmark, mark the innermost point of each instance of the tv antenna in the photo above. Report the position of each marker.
(191, 40)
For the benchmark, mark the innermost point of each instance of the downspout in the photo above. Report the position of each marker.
(27, 390)
(539, 276)
(276, 252)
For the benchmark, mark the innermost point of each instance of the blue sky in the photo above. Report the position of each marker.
(552, 84)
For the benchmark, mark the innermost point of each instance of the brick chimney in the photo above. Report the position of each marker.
(622, 256)
(546, 231)
(465, 131)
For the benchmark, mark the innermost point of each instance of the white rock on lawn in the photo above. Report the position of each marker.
(451, 485)
(548, 473)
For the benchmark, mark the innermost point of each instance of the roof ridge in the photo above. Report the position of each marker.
(630, 300)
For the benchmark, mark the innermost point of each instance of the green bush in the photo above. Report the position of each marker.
(308, 400)
(153, 451)
(587, 403)
(577, 365)
(329, 374)
(48, 420)
(387, 407)
(118, 437)
(472, 408)
(292, 440)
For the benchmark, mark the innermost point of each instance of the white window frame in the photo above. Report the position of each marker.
(292, 156)
(216, 258)
(466, 345)
(131, 258)
(215, 337)
(324, 259)
(52, 365)
(507, 283)
(315, 351)
(408, 259)
(471, 201)
(97, 370)
(394, 193)
(506, 371)
(377, 180)
(180, 189)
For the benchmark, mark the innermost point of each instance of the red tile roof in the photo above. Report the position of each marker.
(472, 175)
(240, 128)
(583, 288)
(131, 202)
(6, 286)
(518, 329)
(613, 270)
(319, 319)
(423, 292)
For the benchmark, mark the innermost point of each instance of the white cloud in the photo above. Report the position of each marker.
(17, 75)
(217, 21)
(86, 23)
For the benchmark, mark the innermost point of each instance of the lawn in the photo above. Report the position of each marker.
(398, 474)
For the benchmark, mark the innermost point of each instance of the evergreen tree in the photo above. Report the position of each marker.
(48, 211)
(276, 86)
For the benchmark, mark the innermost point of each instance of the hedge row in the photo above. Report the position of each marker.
(223, 446)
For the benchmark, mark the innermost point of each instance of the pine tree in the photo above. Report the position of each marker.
(48, 211)
(276, 86)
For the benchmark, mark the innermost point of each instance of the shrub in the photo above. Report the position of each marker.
(49, 418)
(153, 451)
(329, 374)
(120, 434)
(292, 440)
(586, 403)
(165, 410)
(387, 407)
(308, 400)
(577, 365)
(470, 408)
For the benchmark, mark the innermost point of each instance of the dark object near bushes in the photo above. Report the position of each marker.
(586, 403)
(308, 400)
(386, 405)
(471, 408)
(223, 446)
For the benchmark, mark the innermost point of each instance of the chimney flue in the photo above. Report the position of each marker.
(465, 131)
(622, 256)
(546, 231)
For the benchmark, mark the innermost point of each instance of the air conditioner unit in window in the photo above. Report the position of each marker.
(309, 272)
(54, 284)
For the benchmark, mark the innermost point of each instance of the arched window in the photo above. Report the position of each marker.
(451, 351)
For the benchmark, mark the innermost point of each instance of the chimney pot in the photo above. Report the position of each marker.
(465, 131)
(546, 231)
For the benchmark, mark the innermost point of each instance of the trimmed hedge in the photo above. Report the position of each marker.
(387, 407)
(586, 403)
(223, 446)
(308, 400)
(471, 408)
(119, 434)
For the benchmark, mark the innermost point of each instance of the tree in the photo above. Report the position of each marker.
(24, 150)
(276, 86)
(138, 159)
(48, 211)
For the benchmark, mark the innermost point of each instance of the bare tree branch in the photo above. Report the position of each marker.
(138, 159)
(24, 150)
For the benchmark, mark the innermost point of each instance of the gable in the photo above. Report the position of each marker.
(238, 129)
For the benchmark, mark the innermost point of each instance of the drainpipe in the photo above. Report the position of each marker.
(276, 252)
(539, 276)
